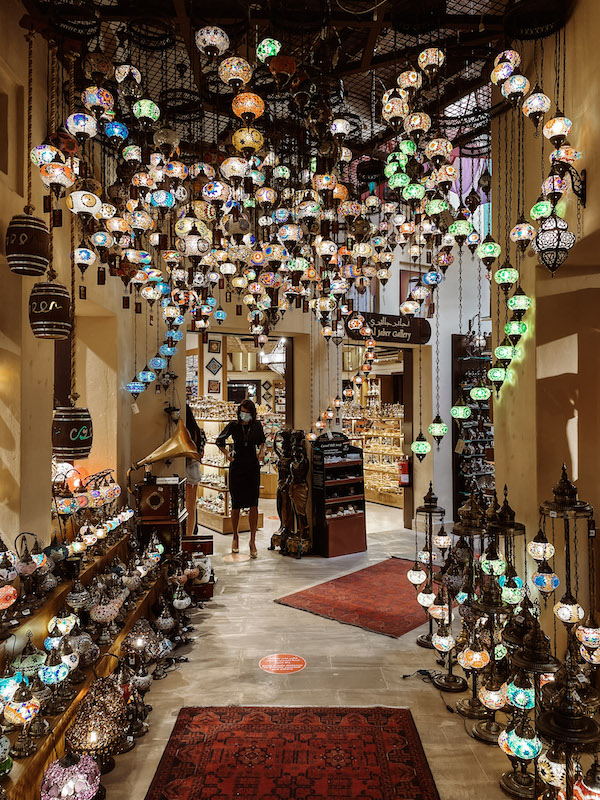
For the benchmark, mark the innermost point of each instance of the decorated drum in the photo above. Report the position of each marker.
(72, 433)
(27, 245)
(50, 311)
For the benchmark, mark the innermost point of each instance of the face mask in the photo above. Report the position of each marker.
(245, 416)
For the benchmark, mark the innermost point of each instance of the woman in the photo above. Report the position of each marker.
(244, 468)
(193, 473)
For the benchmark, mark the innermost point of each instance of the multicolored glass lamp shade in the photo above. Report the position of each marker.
(97, 100)
(72, 776)
(523, 740)
(568, 610)
(81, 126)
(520, 692)
(235, 72)
(431, 60)
(514, 88)
(473, 658)
(146, 375)
(536, 105)
(212, 41)
(557, 129)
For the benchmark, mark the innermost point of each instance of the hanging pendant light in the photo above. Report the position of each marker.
(438, 429)
(460, 410)
(553, 242)
(420, 447)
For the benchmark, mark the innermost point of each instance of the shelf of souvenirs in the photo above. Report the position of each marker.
(208, 409)
(387, 469)
(388, 412)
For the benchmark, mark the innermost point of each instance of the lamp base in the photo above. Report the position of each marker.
(424, 640)
(100, 794)
(472, 708)
(107, 764)
(518, 784)
(450, 683)
(487, 730)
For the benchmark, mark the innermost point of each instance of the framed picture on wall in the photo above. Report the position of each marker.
(214, 387)
(214, 345)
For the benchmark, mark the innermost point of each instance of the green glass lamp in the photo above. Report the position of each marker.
(519, 303)
(515, 329)
(480, 394)
(399, 180)
(541, 209)
(505, 352)
(438, 429)
(420, 446)
(460, 410)
(497, 375)
(488, 251)
(460, 229)
(505, 276)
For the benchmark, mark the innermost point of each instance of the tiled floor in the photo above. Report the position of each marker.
(346, 666)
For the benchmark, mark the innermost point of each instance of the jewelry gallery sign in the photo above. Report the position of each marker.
(394, 329)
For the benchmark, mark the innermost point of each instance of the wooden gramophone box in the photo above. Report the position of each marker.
(163, 501)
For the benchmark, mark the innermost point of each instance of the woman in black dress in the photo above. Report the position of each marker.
(244, 468)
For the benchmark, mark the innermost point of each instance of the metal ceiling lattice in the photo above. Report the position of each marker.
(158, 37)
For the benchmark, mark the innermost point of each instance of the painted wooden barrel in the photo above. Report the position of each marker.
(27, 245)
(50, 311)
(72, 433)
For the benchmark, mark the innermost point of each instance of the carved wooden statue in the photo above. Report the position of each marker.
(299, 543)
(283, 500)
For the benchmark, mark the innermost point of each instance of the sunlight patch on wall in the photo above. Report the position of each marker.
(557, 358)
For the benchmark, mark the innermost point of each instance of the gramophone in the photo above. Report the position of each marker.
(160, 502)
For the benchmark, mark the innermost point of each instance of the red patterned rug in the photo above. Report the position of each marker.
(293, 754)
(378, 598)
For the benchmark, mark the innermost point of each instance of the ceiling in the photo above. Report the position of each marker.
(367, 44)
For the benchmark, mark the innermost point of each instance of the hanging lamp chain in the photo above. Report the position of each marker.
(29, 208)
(73, 396)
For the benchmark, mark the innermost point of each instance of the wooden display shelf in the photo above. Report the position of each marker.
(23, 782)
(330, 501)
(381, 496)
(344, 481)
(223, 489)
(349, 462)
(213, 466)
(222, 523)
(342, 517)
(37, 623)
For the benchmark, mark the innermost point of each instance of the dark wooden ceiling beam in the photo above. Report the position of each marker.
(450, 45)
(372, 37)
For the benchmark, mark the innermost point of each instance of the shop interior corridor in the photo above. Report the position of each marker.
(346, 666)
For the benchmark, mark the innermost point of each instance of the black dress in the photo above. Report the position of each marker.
(244, 470)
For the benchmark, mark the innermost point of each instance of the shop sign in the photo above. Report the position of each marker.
(394, 329)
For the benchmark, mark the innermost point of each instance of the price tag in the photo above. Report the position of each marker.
(591, 528)
(134, 408)
(460, 446)
(553, 514)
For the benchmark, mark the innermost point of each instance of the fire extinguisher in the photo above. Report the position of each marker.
(403, 471)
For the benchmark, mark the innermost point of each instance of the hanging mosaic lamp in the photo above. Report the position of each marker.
(420, 447)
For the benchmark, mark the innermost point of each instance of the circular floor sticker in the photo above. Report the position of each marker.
(282, 663)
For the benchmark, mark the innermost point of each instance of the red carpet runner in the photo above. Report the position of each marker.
(378, 599)
(293, 754)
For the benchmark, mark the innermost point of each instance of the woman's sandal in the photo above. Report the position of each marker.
(235, 548)
(253, 551)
